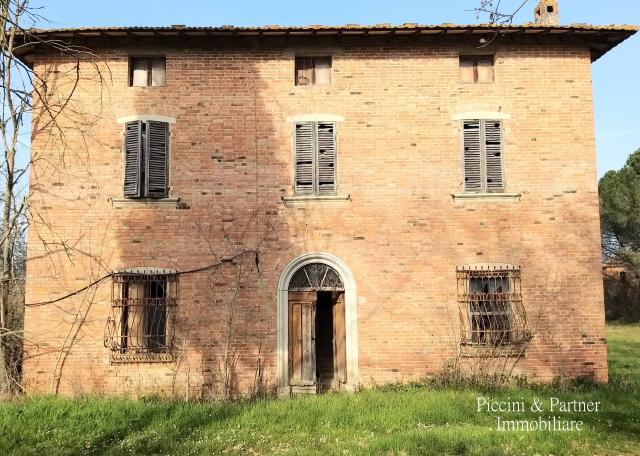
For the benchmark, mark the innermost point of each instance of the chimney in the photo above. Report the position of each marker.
(546, 13)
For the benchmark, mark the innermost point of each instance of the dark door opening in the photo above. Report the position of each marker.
(317, 355)
(317, 332)
(324, 341)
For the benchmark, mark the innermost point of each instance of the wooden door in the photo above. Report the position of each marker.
(339, 340)
(302, 338)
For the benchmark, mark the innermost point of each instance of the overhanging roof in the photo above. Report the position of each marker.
(600, 39)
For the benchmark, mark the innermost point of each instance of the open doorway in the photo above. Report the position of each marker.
(317, 345)
(325, 362)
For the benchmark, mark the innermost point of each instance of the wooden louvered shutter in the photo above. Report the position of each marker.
(304, 71)
(493, 155)
(133, 159)
(326, 159)
(472, 156)
(304, 149)
(157, 145)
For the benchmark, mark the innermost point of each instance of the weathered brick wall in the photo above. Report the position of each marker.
(401, 232)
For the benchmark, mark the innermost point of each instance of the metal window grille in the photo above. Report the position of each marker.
(316, 277)
(142, 313)
(490, 300)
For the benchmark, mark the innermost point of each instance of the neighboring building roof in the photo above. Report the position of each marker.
(600, 39)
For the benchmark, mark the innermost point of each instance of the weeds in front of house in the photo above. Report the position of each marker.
(431, 417)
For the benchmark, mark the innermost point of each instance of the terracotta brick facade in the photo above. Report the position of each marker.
(400, 231)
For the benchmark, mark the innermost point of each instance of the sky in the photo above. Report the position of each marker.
(616, 76)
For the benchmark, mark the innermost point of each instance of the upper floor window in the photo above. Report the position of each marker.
(313, 70)
(146, 154)
(491, 300)
(315, 158)
(476, 69)
(147, 72)
(482, 156)
(142, 312)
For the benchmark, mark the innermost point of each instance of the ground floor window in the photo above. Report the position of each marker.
(142, 312)
(490, 300)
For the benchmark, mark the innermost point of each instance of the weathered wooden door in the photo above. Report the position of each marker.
(339, 340)
(302, 338)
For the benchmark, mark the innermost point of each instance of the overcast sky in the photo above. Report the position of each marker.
(616, 76)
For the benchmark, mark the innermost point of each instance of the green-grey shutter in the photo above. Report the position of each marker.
(157, 146)
(304, 150)
(493, 153)
(472, 157)
(133, 159)
(326, 159)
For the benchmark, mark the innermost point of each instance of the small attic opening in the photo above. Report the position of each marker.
(549, 8)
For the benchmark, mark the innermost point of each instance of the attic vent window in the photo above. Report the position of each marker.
(147, 72)
(476, 69)
(313, 71)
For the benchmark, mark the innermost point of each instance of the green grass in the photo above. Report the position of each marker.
(401, 420)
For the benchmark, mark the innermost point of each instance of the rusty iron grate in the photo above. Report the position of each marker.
(142, 316)
(490, 306)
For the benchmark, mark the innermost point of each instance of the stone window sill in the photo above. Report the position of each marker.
(488, 351)
(476, 196)
(305, 199)
(124, 358)
(151, 202)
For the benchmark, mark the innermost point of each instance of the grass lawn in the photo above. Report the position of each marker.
(407, 420)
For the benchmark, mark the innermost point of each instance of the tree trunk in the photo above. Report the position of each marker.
(5, 283)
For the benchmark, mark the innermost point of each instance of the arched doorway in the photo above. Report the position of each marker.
(317, 326)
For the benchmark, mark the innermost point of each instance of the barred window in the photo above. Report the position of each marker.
(490, 300)
(142, 312)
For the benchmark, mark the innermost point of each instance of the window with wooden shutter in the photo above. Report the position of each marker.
(156, 159)
(133, 159)
(147, 72)
(482, 156)
(326, 159)
(476, 69)
(313, 70)
(146, 169)
(315, 158)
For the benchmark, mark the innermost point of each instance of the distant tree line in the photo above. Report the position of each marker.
(620, 229)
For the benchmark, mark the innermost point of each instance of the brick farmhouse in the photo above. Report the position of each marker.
(309, 208)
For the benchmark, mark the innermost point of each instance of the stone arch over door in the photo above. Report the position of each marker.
(351, 323)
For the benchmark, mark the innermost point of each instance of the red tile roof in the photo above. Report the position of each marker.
(600, 38)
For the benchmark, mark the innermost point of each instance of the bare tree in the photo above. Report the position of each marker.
(495, 12)
(242, 255)
(23, 93)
